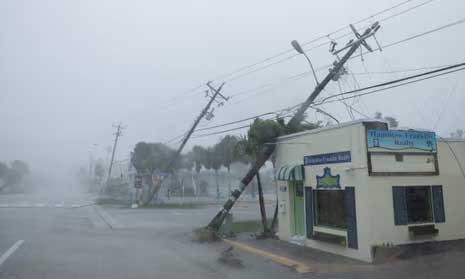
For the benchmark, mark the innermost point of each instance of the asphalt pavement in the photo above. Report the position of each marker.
(88, 241)
(69, 236)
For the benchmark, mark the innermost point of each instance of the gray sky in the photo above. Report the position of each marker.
(70, 69)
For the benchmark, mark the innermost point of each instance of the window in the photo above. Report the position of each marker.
(330, 208)
(419, 204)
(399, 157)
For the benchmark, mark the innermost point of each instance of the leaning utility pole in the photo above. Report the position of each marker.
(117, 135)
(205, 112)
(295, 121)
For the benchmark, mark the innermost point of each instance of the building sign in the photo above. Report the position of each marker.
(328, 181)
(327, 158)
(397, 140)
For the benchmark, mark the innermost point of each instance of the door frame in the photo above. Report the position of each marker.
(292, 185)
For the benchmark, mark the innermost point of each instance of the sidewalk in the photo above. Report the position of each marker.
(302, 259)
(414, 261)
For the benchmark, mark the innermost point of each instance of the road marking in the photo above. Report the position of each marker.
(40, 205)
(59, 205)
(10, 251)
(298, 266)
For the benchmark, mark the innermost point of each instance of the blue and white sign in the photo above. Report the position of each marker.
(397, 140)
(328, 158)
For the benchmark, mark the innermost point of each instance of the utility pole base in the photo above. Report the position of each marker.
(205, 234)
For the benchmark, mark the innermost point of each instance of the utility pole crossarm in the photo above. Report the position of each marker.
(188, 135)
(197, 121)
(298, 117)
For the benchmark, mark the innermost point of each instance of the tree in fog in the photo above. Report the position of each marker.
(216, 160)
(393, 122)
(13, 174)
(458, 134)
(99, 172)
(225, 148)
(20, 166)
(3, 170)
(242, 155)
(264, 132)
(153, 158)
(196, 156)
(261, 132)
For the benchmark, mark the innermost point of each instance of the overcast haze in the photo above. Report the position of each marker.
(70, 69)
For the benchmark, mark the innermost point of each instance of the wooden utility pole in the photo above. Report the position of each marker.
(295, 121)
(117, 134)
(216, 92)
(203, 113)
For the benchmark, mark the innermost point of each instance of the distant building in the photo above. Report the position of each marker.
(348, 188)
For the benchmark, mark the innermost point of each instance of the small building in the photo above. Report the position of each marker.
(349, 188)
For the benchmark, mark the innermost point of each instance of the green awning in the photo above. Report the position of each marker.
(291, 172)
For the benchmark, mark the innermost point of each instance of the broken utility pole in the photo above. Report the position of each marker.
(117, 134)
(295, 121)
(205, 112)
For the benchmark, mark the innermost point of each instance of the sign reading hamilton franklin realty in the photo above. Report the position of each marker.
(397, 140)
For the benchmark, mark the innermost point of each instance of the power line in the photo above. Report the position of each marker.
(304, 74)
(380, 20)
(281, 53)
(399, 85)
(232, 129)
(400, 71)
(220, 132)
(439, 72)
(324, 101)
(370, 17)
(393, 82)
(442, 27)
(235, 77)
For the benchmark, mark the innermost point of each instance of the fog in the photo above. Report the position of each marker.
(71, 69)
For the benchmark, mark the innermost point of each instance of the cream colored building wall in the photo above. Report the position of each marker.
(291, 151)
(284, 224)
(373, 195)
(453, 183)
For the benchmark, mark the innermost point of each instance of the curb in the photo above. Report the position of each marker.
(298, 266)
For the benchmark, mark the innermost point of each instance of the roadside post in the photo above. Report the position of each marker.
(137, 187)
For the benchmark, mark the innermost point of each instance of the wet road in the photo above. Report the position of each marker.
(43, 240)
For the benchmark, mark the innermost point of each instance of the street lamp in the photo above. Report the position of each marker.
(300, 50)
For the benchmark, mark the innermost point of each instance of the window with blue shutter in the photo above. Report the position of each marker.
(351, 218)
(438, 204)
(400, 205)
(309, 211)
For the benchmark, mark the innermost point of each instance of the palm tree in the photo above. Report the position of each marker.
(261, 132)
(226, 148)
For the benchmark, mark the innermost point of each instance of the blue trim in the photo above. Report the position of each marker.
(351, 217)
(400, 205)
(309, 211)
(438, 204)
